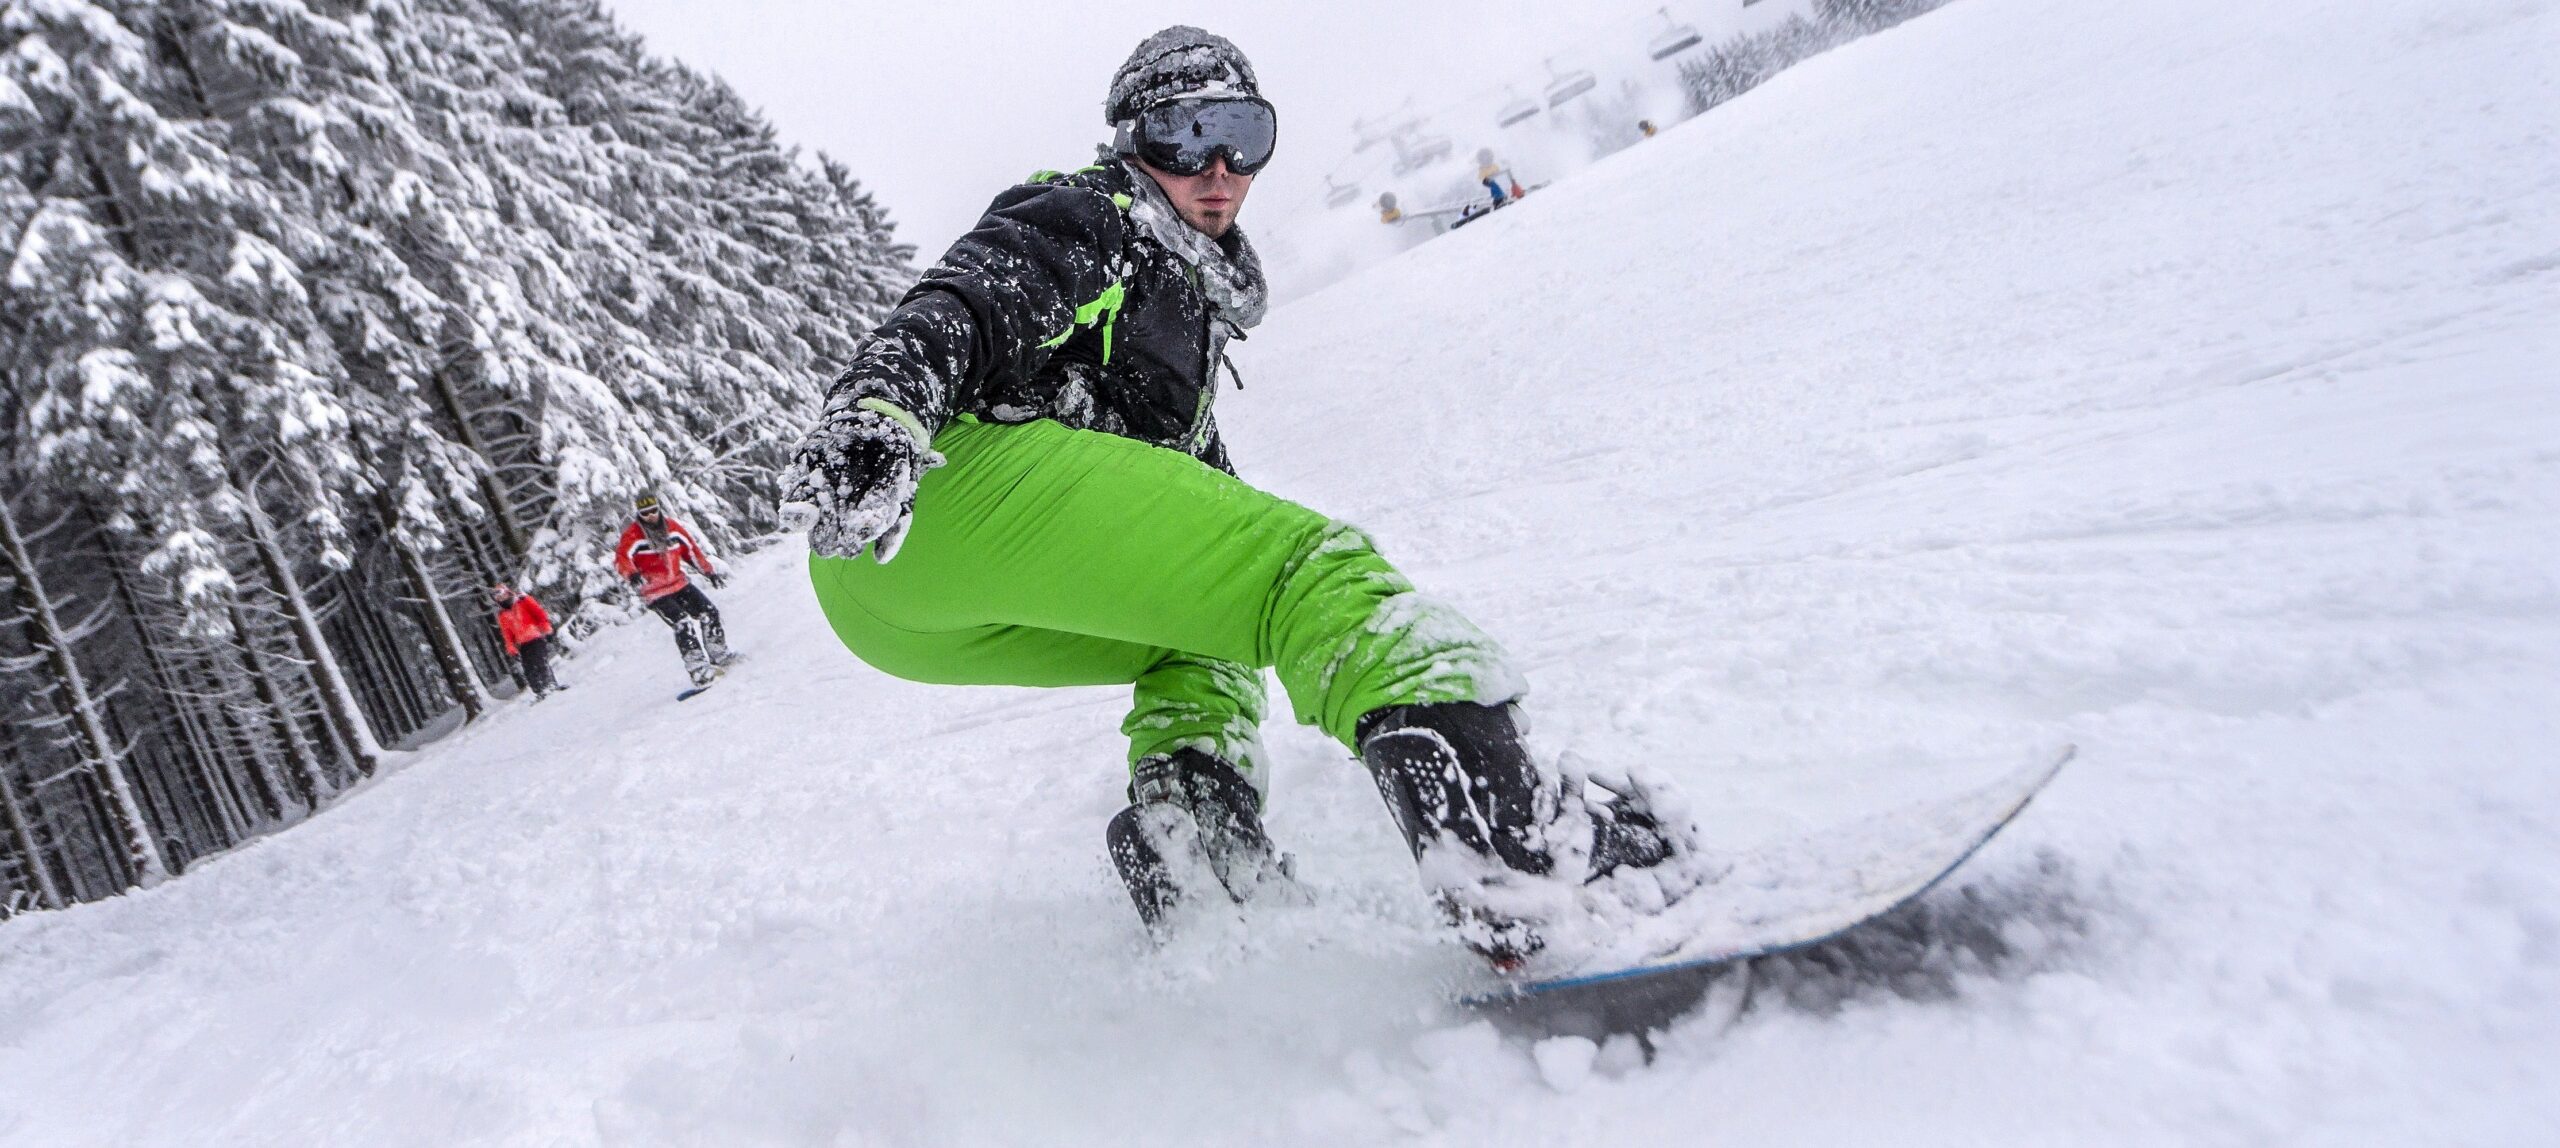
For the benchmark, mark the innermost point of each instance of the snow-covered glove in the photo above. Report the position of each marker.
(852, 483)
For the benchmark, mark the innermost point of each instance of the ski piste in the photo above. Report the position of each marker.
(1778, 898)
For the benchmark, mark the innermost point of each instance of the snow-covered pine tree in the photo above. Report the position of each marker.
(1746, 61)
(1859, 17)
(522, 367)
(85, 150)
(689, 284)
(322, 315)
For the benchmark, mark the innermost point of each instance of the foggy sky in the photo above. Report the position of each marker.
(937, 105)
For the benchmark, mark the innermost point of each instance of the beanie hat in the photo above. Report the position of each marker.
(1178, 61)
(645, 503)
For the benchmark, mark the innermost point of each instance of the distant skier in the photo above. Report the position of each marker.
(525, 627)
(1497, 179)
(654, 551)
(1029, 435)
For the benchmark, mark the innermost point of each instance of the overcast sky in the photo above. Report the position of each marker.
(939, 104)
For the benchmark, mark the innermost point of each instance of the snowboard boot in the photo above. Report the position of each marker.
(1192, 821)
(1457, 774)
(715, 641)
(697, 661)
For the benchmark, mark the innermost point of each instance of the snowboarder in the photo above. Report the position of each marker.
(1027, 449)
(525, 627)
(654, 551)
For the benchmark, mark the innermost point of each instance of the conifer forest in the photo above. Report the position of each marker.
(320, 318)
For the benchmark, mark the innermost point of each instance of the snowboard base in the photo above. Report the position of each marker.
(1781, 898)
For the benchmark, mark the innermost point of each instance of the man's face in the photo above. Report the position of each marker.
(1207, 201)
(652, 518)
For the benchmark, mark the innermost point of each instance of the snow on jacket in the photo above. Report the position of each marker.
(1058, 306)
(659, 560)
(522, 621)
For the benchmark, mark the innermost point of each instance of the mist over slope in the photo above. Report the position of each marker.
(2174, 378)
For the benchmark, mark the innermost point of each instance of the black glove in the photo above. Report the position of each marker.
(852, 483)
(637, 582)
(717, 579)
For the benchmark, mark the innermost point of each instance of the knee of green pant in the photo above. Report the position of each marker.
(1356, 637)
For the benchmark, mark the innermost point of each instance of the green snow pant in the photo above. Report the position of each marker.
(1045, 556)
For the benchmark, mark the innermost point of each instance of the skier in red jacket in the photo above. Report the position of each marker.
(525, 627)
(654, 551)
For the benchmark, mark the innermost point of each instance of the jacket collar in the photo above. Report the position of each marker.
(1230, 271)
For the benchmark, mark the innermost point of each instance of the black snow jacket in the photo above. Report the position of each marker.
(1057, 306)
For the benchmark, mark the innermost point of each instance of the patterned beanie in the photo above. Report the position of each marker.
(1179, 61)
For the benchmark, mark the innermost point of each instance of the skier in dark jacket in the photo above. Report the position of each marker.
(1030, 435)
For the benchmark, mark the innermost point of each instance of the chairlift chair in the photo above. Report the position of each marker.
(1415, 150)
(1516, 109)
(1676, 37)
(1568, 86)
(1389, 128)
(1339, 194)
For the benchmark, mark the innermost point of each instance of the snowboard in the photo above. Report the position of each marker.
(1777, 898)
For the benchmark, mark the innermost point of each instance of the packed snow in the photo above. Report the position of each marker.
(2177, 379)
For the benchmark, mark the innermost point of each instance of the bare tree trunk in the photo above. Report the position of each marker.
(200, 751)
(459, 674)
(297, 749)
(335, 697)
(22, 836)
(105, 762)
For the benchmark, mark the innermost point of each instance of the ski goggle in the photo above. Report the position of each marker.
(1181, 137)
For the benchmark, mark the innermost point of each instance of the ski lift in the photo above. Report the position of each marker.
(1427, 150)
(1339, 194)
(1405, 132)
(1675, 38)
(1389, 128)
(1415, 151)
(1516, 109)
(1568, 86)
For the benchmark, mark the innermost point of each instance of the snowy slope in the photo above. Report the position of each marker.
(2177, 378)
